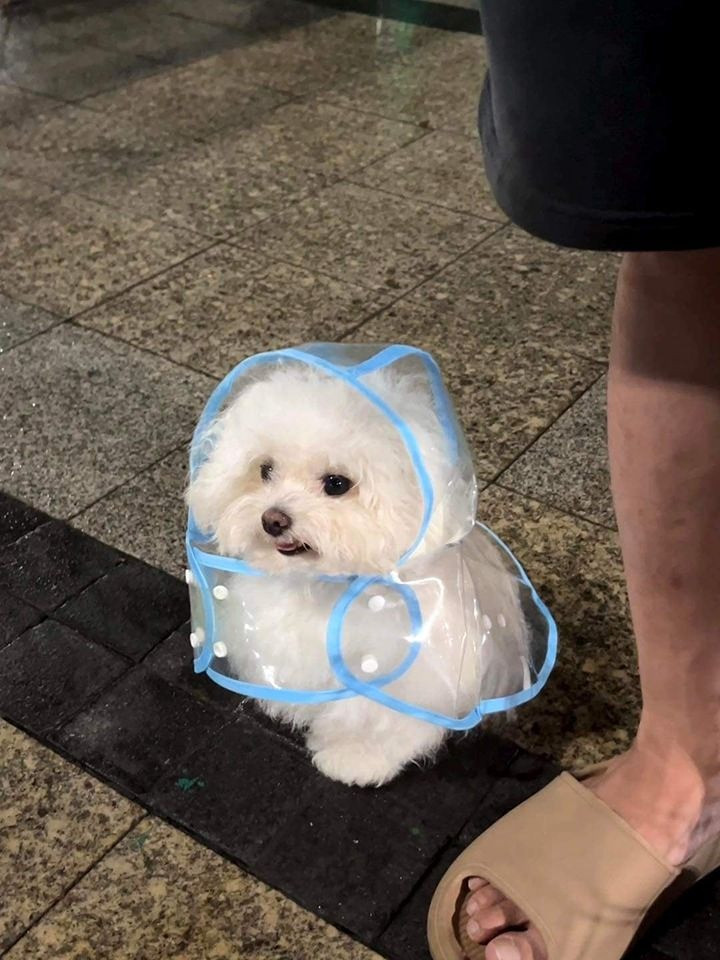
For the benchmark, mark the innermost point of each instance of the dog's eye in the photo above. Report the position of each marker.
(336, 486)
(266, 471)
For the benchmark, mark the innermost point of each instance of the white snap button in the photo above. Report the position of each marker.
(219, 649)
(194, 641)
(220, 592)
(376, 603)
(369, 663)
(189, 578)
(486, 622)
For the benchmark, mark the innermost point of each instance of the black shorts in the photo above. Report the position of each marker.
(599, 120)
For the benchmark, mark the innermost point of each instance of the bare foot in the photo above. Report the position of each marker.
(659, 792)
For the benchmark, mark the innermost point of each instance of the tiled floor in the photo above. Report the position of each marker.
(184, 184)
(71, 840)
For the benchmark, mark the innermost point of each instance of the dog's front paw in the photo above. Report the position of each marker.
(356, 763)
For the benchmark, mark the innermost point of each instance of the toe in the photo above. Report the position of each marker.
(485, 896)
(489, 921)
(490, 918)
(474, 883)
(517, 946)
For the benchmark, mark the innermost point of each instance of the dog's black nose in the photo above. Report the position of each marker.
(275, 522)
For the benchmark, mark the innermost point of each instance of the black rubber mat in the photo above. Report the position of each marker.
(95, 661)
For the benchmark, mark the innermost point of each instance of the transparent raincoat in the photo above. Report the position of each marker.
(454, 631)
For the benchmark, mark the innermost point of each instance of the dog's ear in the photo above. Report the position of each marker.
(209, 495)
(407, 389)
(224, 474)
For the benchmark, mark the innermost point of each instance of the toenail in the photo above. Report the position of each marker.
(472, 907)
(506, 950)
(473, 929)
(474, 883)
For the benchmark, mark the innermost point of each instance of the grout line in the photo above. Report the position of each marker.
(254, 873)
(74, 317)
(179, 139)
(170, 56)
(422, 134)
(58, 101)
(132, 217)
(269, 260)
(33, 336)
(60, 190)
(108, 493)
(29, 303)
(78, 46)
(138, 818)
(99, 694)
(289, 96)
(494, 479)
(168, 65)
(133, 346)
(602, 361)
(326, 95)
(432, 203)
(236, 242)
(329, 179)
(293, 199)
(405, 294)
(559, 508)
(50, 519)
(143, 349)
(57, 729)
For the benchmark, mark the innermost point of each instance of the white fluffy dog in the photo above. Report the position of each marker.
(304, 475)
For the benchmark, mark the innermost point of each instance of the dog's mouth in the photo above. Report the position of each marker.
(289, 546)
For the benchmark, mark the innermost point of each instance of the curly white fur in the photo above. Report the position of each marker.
(271, 450)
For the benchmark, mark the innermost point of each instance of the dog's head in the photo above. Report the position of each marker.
(303, 472)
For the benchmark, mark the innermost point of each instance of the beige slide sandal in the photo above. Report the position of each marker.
(583, 877)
